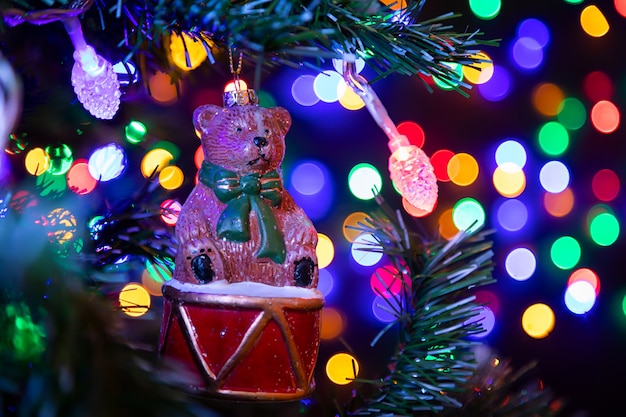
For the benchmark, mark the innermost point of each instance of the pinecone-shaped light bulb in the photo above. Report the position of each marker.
(412, 173)
(95, 83)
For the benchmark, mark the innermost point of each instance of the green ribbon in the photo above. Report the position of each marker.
(242, 195)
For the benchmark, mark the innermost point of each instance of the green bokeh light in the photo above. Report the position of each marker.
(485, 9)
(572, 113)
(604, 229)
(573, 1)
(457, 76)
(468, 214)
(160, 270)
(50, 185)
(61, 158)
(266, 99)
(553, 138)
(565, 252)
(19, 335)
(135, 132)
(364, 181)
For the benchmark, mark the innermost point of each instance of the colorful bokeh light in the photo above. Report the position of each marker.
(134, 300)
(605, 185)
(342, 368)
(554, 176)
(107, 162)
(593, 21)
(559, 204)
(547, 98)
(512, 215)
(332, 324)
(553, 138)
(365, 250)
(364, 181)
(585, 274)
(511, 150)
(468, 214)
(565, 252)
(538, 320)
(463, 169)
(580, 297)
(498, 87)
(485, 9)
(509, 180)
(520, 264)
(572, 113)
(605, 116)
(325, 250)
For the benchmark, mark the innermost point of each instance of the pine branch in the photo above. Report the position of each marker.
(273, 33)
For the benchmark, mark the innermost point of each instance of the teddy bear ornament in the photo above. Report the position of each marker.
(242, 311)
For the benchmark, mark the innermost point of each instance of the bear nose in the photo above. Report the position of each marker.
(260, 141)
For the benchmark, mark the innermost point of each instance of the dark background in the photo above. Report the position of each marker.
(583, 358)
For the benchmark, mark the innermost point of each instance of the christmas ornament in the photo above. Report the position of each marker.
(409, 167)
(242, 311)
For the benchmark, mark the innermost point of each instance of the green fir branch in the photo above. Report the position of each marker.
(290, 33)
(434, 359)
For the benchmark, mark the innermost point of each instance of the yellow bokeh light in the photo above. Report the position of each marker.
(547, 99)
(196, 51)
(480, 72)
(62, 225)
(559, 204)
(593, 21)
(538, 320)
(462, 169)
(509, 179)
(134, 300)
(332, 323)
(37, 161)
(342, 368)
(171, 177)
(447, 228)
(162, 89)
(351, 221)
(154, 161)
(325, 251)
(154, 283)
(350, 100)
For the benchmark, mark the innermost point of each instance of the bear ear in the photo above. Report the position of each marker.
(203, 116)
(282, 116)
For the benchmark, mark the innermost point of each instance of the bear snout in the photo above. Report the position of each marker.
(260, 141)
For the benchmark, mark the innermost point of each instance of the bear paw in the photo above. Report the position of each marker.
(304, 272)
(202, 262)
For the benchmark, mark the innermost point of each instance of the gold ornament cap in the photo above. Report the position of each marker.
(240, 98)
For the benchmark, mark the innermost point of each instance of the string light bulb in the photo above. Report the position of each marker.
(93, 78)
(410, 168)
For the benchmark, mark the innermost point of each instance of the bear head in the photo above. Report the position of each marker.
(243, 139)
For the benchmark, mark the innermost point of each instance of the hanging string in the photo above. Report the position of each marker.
(235, 71)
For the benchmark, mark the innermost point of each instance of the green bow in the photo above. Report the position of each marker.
(241, 195)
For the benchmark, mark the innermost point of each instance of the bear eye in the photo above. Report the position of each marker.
(267, 132)
(239, 129)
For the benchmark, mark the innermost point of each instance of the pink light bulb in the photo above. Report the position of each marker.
(414, 177)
